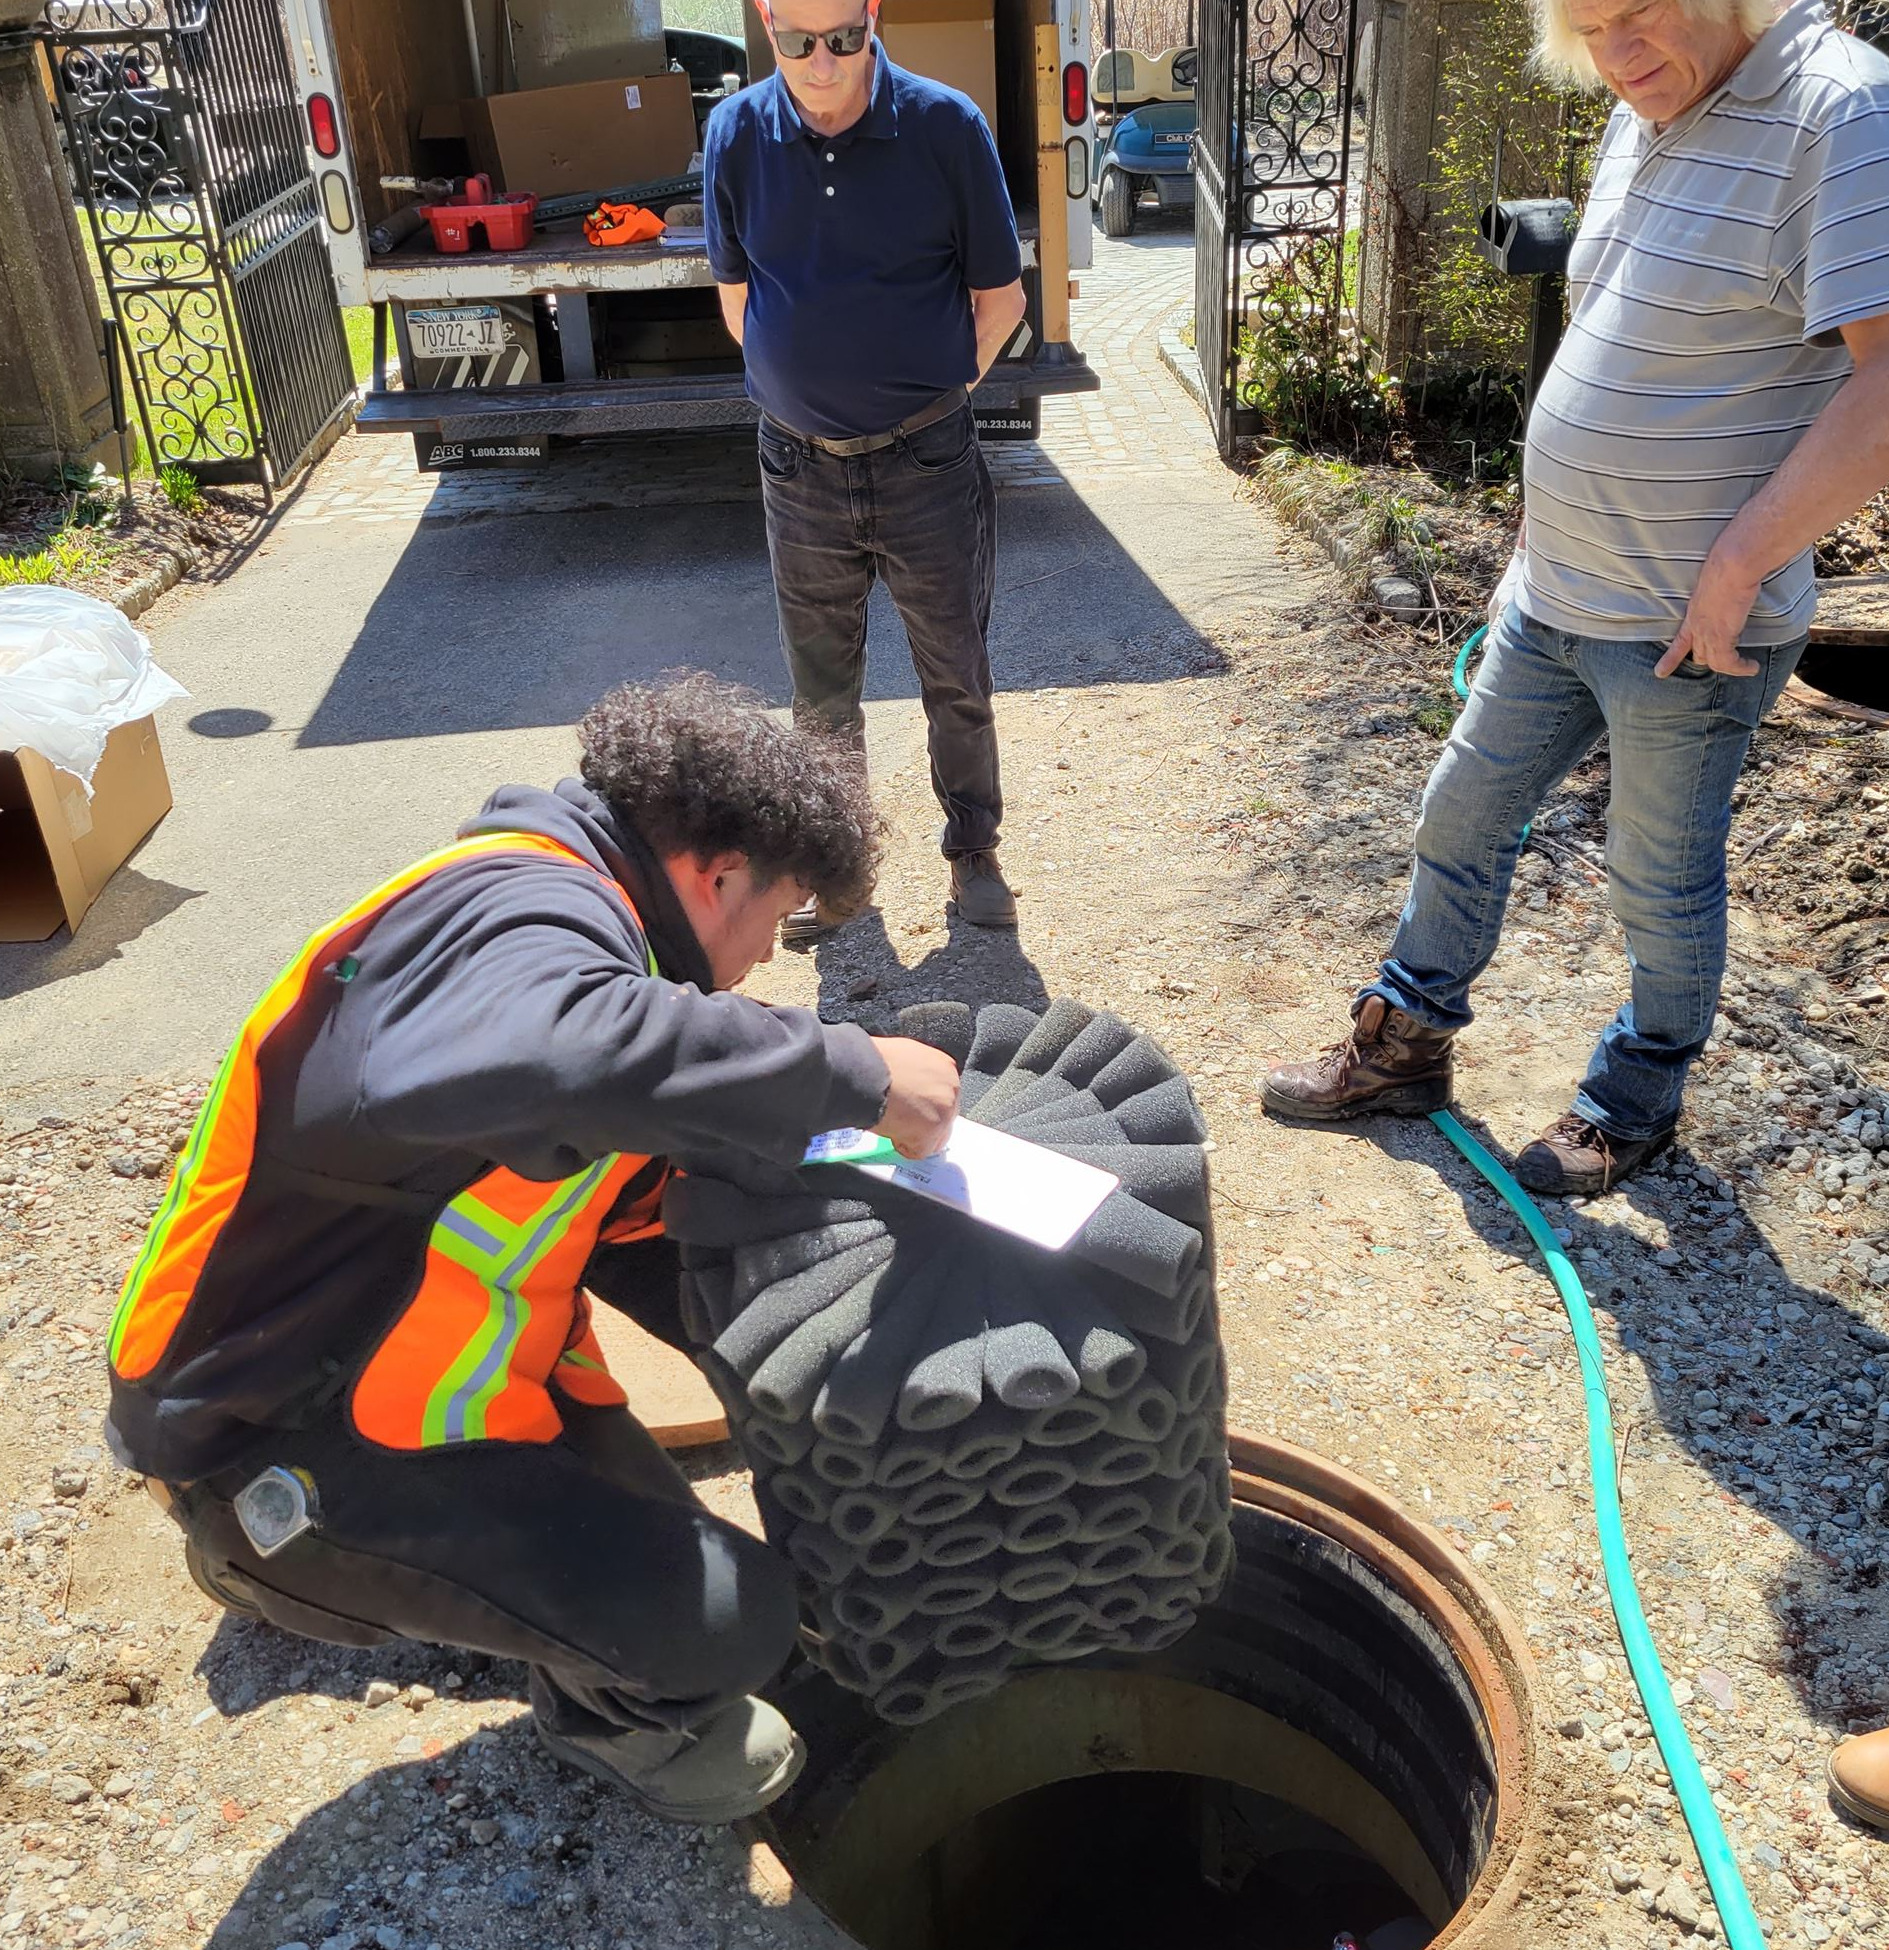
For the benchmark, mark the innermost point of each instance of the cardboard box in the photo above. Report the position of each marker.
(953, 41)
(551, 42)
(57, 848)
(593, 135)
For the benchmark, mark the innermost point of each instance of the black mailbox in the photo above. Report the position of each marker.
(1528, 237)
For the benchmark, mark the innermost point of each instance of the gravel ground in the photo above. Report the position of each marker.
(1212, 839)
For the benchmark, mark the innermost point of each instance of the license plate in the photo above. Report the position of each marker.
(459, 331)
(1171, 141)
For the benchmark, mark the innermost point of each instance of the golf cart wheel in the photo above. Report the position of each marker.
(1118, 204)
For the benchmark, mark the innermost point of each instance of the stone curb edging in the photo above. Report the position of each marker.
(1178, 357)
(173, 564)
(174, 561)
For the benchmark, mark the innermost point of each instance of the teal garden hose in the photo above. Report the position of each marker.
(1742, 1930)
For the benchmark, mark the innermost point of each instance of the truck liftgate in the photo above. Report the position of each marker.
(487, 357)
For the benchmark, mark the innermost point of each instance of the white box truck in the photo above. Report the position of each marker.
(497, 353)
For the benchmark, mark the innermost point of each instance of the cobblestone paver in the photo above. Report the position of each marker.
(1139, 424)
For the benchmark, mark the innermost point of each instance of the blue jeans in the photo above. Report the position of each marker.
(1541, 700)
(922, 514)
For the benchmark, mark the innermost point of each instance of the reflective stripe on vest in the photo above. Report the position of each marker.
(494, 1316)
(499, 1264)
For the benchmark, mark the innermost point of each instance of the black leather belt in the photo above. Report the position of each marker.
(871, 443)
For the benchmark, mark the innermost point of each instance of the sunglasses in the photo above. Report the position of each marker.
(796, 46)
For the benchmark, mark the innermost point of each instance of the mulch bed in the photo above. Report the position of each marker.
(126, 544)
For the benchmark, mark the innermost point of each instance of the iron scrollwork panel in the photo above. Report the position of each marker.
(1274, 160)
(134, 151)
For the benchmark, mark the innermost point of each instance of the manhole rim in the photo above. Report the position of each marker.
(1426, 1570)
(1479, 1628)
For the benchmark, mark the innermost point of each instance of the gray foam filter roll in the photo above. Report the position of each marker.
(946, 1026)
(945, 1382)
(1170, 1177)
(857, 1398)
(1024, 1363)
(786, 1383)
(1141, 1066)
(770, 1261)
(1060, 1024)
(1102, 1039)
(997, 1104)
(1145, 1246)
(1000, 1032)
(1145, 1414)
(1108, 1362)
(1167, 1114)
(698, 1211)
(1069, 1120)
(1155, 1316)
(760, 1327)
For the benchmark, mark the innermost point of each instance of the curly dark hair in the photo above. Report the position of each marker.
(702, 767)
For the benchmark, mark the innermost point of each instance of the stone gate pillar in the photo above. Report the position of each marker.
(55, 398)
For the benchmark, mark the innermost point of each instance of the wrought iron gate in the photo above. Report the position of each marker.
(185, 144)
(1272, 166)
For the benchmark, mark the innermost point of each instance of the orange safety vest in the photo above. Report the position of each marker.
(499, 1319)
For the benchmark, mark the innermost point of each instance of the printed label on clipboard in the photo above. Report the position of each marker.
(998, 1180)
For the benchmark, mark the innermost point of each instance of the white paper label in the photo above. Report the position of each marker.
(632, 97)
(1006, 1182)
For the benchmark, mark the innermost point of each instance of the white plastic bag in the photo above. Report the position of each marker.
(72, 670)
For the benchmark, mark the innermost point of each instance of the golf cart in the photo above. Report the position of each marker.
(1148, 151)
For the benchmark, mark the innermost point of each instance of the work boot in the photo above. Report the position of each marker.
(1574, 1158)
(982, 894)
(1858, 1774)
(810, 922)
(1389, 1062)
(730, 1766)
(229, 1591)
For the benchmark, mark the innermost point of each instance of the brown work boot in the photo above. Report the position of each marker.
(1389, 1062)
(1576, 1159)
(1858, 1774)
(810, 922)
(982, 894)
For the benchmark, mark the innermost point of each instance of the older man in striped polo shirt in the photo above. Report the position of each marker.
(1720, 401)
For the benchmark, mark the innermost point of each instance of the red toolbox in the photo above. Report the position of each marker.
(506, 218)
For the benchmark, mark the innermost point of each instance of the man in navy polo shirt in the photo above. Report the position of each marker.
(862, 237)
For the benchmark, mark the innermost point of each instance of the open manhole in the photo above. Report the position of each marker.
(1340, 1744)
(1854, 671)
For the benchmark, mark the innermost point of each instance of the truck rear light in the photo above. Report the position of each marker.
(323, 129)
(1076, 94)
(1076, 166)
(336, 202)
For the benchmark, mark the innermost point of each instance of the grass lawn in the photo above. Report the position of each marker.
(359, 321)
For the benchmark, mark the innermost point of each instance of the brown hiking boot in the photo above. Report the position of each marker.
(1389, 1062)
(1575, 1159)
(982, 894)
(1858, 1775)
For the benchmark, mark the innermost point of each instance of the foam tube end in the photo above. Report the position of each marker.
(946, 1026)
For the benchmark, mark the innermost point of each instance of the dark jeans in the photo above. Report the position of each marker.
(923, 514)
(589, 1558)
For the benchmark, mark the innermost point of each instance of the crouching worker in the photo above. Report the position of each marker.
(354, 1356)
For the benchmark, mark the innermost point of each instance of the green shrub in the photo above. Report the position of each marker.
(1303, 366)
(180, 488)
(67, 556)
